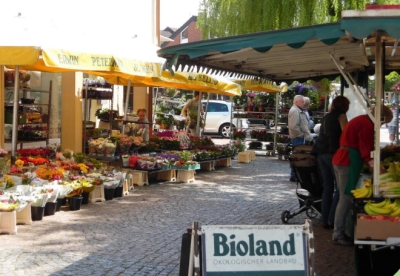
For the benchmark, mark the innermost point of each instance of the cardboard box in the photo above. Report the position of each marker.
(376, 229)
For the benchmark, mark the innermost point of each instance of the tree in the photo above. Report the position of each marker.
(221, 18)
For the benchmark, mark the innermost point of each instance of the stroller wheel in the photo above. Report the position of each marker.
(311, 213)
(285, 216)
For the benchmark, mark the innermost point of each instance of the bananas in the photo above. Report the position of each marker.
(386, 207)
(365, 191)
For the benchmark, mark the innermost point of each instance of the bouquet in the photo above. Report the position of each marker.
(124, 143)
(109, 148)
(64, 190)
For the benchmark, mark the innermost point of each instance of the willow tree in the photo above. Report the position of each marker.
(221, 18)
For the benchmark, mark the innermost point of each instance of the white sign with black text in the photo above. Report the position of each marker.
(250, 249)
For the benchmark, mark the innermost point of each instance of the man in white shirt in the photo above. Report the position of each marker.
(299, 128)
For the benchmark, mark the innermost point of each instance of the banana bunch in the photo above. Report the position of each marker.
(389, 189)
(385, 207)
(365, 191)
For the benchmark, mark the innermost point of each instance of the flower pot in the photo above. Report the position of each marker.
(85, 198)
(163, 126)
(109, 194)
(125, 161)
(75, 203)
(37, 212)
(60, 202)
(118, 192)
(50, 208)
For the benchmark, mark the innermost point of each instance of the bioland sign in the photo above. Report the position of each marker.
(254, 250)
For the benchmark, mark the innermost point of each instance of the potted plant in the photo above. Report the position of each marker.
(166, 120)
(255, 145)
(75, 196)
(170, 92)
(105, 114)
(239, 134)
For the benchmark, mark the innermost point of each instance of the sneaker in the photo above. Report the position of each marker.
(345, 240)
(292, 179)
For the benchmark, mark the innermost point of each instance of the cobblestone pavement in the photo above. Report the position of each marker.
(140, 234)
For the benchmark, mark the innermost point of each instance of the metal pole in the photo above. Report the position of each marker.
(126, 104)
(85, 118)
(276, 120)
(396, 120)
(14, 133)
(378, 95)
(198, 115)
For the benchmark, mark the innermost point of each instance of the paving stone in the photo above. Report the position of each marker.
(140, 234)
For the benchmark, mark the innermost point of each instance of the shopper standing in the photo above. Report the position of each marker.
(356, 144)
(326, 145)
(298, 125)
(190, 111)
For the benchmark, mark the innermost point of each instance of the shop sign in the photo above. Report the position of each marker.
(254, 250)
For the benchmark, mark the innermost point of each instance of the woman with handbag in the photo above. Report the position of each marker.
(326, 145)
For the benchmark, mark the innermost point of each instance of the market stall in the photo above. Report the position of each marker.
(363, 43)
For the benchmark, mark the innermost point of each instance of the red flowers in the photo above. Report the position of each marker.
(34, 152)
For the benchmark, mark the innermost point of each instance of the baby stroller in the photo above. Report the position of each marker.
(309, 178)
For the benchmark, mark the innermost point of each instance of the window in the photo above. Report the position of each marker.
(184, 36)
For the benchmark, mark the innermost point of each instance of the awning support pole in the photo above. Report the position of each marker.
(378, 95)
(126, 104)
(14, 133)
(352, 86)
(276, 120)
(85, 118)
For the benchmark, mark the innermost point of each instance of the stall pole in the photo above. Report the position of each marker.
(276, 120)
(198, 115)
(126, 104)
(378, 95)
(85, 118)
(396, 119)
(14, 134)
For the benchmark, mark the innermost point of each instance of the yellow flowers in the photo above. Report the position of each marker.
(19, 163)
(9, 181)
(83, 167)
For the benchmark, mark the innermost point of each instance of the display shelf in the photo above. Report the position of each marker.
(28, 118)
(105, 92)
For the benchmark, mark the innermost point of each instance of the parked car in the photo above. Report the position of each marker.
(218, 120)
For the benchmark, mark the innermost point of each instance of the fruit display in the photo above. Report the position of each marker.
(385, 207)
(389, 182)
(378, 217)
(365, 191)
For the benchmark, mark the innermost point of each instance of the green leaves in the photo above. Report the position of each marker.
(221, 18)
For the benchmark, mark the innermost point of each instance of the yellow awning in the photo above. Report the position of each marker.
(110, 63)
(196, 81)
(19, 55)
(256, 85)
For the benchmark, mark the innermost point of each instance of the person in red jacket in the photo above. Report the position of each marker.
(356, 144)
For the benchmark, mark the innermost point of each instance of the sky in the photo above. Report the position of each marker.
(101, 18)
(174, 13)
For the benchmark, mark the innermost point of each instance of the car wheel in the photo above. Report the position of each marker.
(225, 130)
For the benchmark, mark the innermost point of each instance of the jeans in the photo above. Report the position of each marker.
(295, 142)
(345, 201)
(330, 194)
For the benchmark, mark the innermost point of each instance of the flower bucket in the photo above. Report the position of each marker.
(75, 203)
(85, 198)
(60, 202)
(109, 194)
(50, 208)
(125, 161)
(118, 192)
(37, 212)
